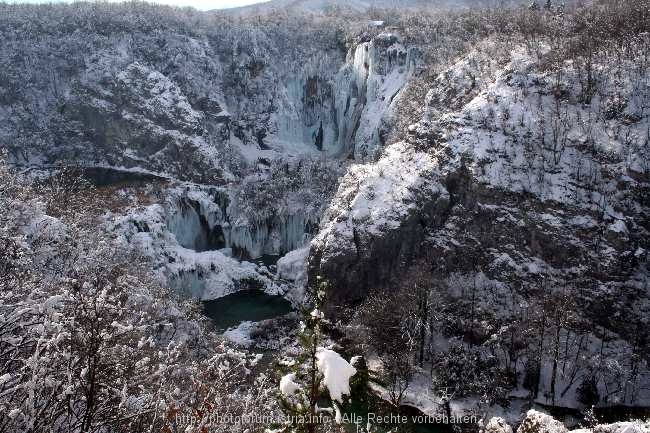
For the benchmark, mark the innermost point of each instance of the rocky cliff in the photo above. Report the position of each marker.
(520, 193)
(531, 197)
(262, 112)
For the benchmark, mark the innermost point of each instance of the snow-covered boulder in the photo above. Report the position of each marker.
(497, 425)
(538, 422)
(240, 334)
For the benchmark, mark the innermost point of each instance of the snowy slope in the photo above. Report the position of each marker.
(203, 104)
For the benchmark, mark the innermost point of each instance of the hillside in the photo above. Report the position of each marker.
(455, 197)
(325, 5)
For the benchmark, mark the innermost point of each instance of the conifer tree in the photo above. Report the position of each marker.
(300, 389)
(319, 375)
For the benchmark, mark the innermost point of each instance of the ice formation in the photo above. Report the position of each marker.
(206, 220)
(340, 112)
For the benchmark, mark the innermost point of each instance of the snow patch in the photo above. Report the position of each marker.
(241, 334)
(288, 385)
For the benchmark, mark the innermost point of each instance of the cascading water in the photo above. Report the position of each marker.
(192, 228)
(377, 70)
(203, 241)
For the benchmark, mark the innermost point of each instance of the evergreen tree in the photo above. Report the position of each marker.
(300, 389)
(305, 386)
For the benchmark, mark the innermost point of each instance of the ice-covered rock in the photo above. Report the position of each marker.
(364, 91)
(202, 274)
(337, 109)
(201, 102)
(139, 118)
(293, 266)
(241, 334)
(208, 219)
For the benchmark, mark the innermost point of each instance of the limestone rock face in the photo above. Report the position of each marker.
(373, 226)
(139, 118)
(509, 195)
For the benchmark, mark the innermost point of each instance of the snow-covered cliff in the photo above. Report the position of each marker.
(520, 195)
(257, 123)
(530, 198)
(200, 103)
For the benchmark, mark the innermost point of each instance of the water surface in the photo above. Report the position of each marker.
(246, 305)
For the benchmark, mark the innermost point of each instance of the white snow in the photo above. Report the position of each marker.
(336, 373)
(241, 334)
(293, 266)
(618, 226)
(288, 385)
(354, 95)
(376, 198)
(497, 425)
(540, 422)
(517, 103)
(156, 231)
(623, 427)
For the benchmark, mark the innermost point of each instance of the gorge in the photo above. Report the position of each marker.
(459, 192)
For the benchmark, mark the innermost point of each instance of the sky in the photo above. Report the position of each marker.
(198, 4)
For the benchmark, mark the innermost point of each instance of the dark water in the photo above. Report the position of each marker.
(357, 410)
(267, 260)
(106, 176)
(614, 414)
(247, 305)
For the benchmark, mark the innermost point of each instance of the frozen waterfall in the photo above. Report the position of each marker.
(340, 112)
(200, 223)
